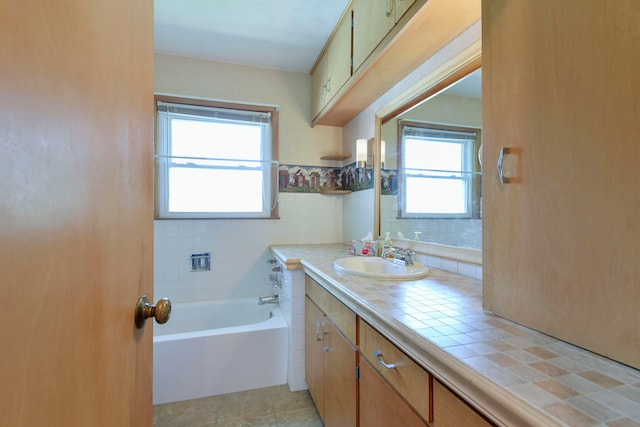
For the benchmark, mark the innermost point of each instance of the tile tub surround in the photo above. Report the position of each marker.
(514, 375)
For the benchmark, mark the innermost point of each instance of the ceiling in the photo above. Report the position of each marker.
(279, 34)
(470, 86)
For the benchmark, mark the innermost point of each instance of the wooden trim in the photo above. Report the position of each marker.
(446, 75)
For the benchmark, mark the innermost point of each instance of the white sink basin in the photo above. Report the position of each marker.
(380, 268)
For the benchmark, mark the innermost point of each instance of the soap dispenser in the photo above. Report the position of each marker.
(387, 243)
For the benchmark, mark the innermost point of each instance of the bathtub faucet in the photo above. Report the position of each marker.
(268, 299)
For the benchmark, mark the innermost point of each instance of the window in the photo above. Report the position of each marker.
(215, 160)
(440, 172)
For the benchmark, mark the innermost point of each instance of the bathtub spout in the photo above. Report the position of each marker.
(268, 299)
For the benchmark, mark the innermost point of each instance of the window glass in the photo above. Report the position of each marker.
(215, 162)
(439, 171)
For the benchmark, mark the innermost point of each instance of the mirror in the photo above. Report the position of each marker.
(413, 138)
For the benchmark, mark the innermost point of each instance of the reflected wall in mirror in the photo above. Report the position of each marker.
(431, 171)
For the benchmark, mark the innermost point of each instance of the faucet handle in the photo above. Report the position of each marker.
(409, 256)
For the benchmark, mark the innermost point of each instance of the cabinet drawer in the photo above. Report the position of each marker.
(409, 379)
(340, 314)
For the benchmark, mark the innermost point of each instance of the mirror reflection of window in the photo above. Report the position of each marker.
(440, 173)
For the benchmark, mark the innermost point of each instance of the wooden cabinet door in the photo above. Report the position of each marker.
(76, 236)
(372, 20)
(340, 383)
(450, 411)
(401, 6)
(319, 79)
(560, 242)
(380, 405)
(313, 353)
(339, 56)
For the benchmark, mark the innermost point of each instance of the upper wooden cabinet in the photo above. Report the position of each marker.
(560, 234)
(385, 50)
(372, 20)
(401, 7)
(333, 68)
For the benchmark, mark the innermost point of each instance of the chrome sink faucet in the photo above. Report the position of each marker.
(399, 255)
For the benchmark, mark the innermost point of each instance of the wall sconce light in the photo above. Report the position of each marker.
(383, 153)
(361, 153)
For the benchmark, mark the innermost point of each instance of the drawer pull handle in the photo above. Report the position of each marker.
(318, 324)
(378, 355)
(325, 348)
(503, 178)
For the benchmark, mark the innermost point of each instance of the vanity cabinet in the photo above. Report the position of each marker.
(451, 411)
(381, 405)
(392, 385)
(331, 357)
(390, 389)
(333, 67)
(560, 230)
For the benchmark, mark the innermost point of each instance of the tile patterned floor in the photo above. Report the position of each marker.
(265, 407)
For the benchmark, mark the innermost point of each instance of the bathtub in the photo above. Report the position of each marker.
(216, 347)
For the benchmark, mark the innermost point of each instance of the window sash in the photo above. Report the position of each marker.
(210, 193)
(428, 187)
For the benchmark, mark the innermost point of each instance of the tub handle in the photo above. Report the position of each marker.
(161, 311)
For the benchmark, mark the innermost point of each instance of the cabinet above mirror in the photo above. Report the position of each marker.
(414, 36)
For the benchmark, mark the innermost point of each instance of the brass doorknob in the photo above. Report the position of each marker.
(161, 311)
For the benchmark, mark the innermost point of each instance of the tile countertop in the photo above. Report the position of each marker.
(514, 375)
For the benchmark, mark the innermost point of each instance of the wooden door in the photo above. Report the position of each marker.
(76, 211)
(339, 56)
(313, 353)
(372, 20)
(450, 411)
(319, 86)
(561, 244)
(381, 405)
(340, 383)
(401, 7)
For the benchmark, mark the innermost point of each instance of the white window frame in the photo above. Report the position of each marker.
(266, 117)
(468, 173)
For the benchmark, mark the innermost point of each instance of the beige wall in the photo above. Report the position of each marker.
(299, 143)
(239, 248)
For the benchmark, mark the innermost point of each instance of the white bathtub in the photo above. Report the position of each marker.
(215, 347)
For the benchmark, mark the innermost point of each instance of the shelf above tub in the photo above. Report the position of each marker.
(336, 156)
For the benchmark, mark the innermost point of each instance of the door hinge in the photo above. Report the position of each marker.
(358, 373)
